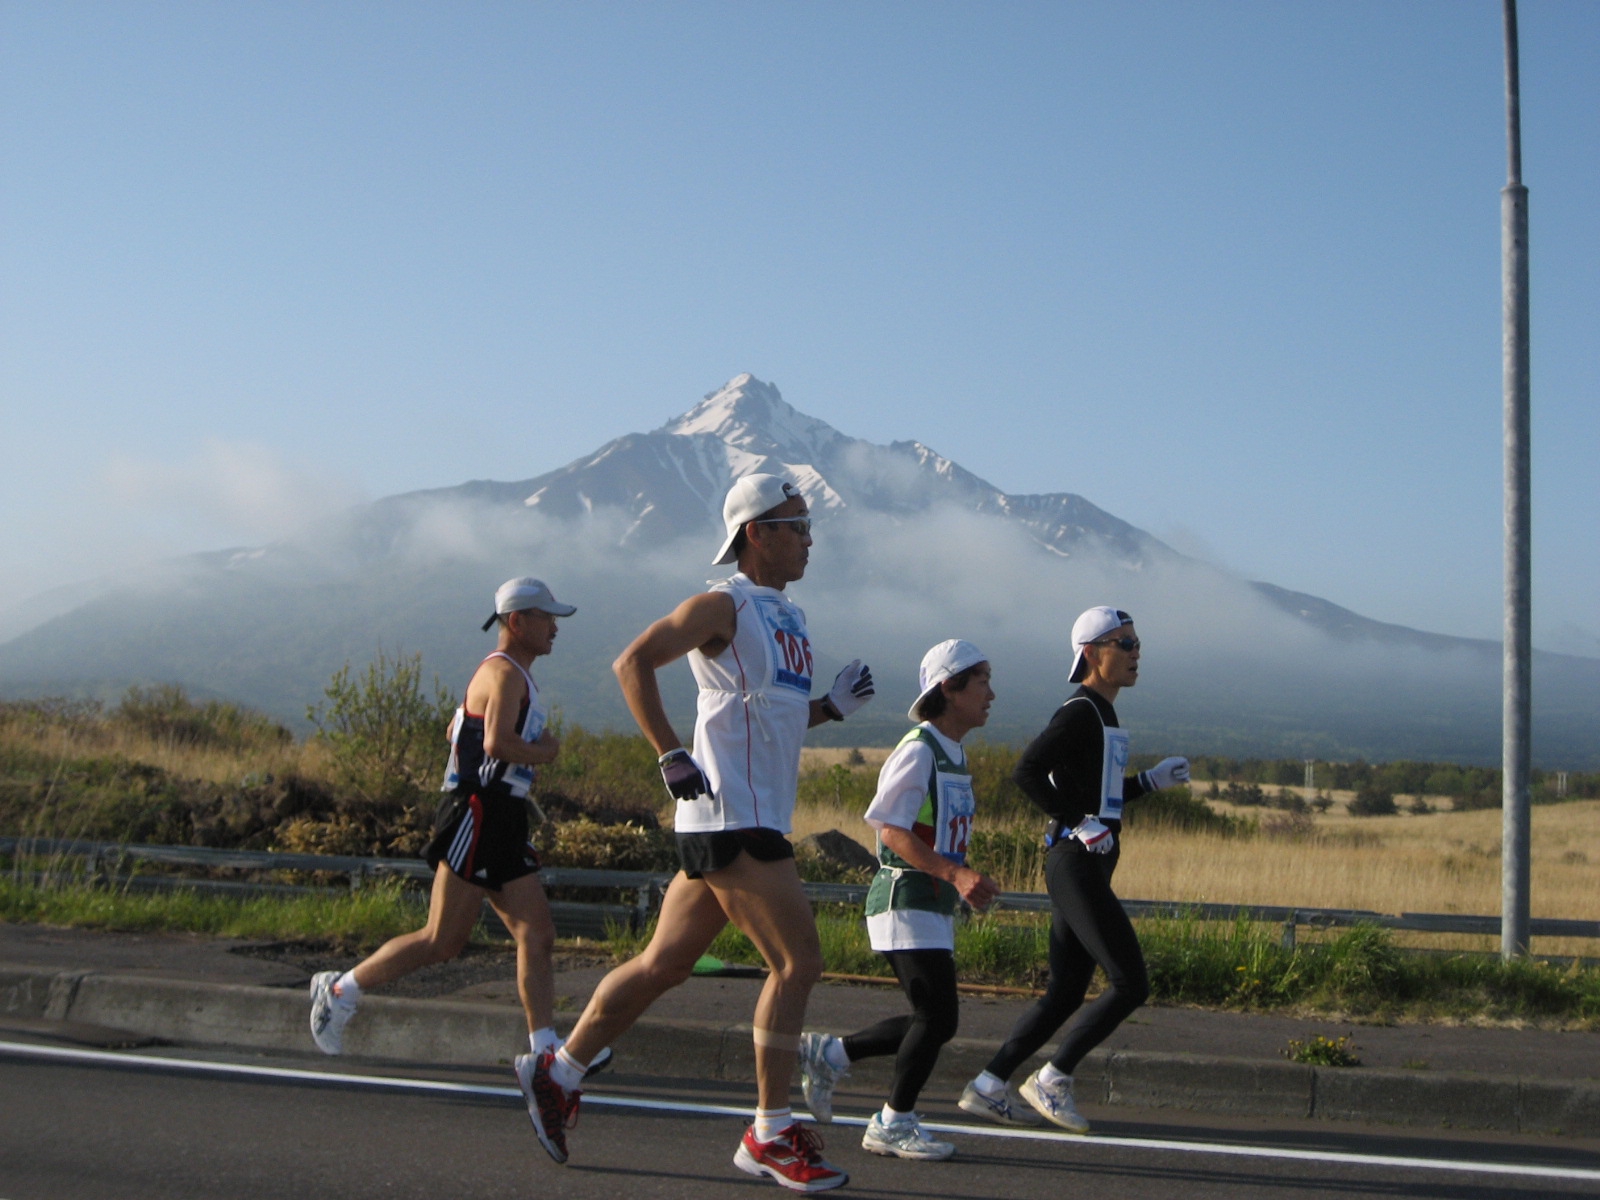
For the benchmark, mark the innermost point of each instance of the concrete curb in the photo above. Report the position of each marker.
(454, 1032)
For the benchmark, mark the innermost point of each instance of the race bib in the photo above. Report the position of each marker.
(791, 648)
(957, 806)
(1115, 768)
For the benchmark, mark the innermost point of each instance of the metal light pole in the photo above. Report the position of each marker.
(1516, 759)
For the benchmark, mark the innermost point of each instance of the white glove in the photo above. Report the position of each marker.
(1096, 838)
(1166, 773)
(852, 688)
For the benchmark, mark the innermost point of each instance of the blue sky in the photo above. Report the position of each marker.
(1229, 270)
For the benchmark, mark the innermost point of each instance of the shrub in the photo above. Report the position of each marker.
(166, 714)
(384, 735)
(1180, 808)
(1373, 801)
(1322, 1052)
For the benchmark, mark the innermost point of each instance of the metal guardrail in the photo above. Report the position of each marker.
(107, 860)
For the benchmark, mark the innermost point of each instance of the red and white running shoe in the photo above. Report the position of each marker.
(793, 1160)
(552, 1109)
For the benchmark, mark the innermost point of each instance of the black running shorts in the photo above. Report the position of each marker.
(701, 853)
(483, 839)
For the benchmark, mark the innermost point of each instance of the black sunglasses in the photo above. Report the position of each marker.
(1129, 644)
(801, 525)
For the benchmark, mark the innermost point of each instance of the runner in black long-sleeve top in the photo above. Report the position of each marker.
(1075, 771)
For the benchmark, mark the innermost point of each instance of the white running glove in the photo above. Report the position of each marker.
(1096, 838)
(682, 775)
(1166, 773)
(852, 688)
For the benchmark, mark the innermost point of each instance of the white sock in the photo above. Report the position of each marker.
(771, 1122)
(834, 1052)
(890, 1117)
(566, 1072)
(541, 1040)
(347, 989)
(990, 1084)
(1050, 1075)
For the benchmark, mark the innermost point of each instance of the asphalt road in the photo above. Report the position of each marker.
(177, 1124)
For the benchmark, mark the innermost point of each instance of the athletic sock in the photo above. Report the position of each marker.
(347, 989)
(541, 1040)
(891, 1117)
(771, 1122)
(990, 1084)
(565, 1071)
(836, 1055)
(1050, 1075)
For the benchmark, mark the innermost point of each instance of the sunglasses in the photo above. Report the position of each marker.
(801, 525)
(1129, 644)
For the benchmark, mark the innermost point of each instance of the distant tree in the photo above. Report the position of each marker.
(1371, 800)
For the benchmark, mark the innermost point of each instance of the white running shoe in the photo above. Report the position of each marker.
(818, 1076)
(1001, 1109)
(1054, 1102)
(903, 1139)
(330, 1013)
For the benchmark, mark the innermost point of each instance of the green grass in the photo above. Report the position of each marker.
(357, 920)
(1356, 973)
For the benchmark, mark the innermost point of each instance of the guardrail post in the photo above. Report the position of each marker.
(644, 900)
(358, 877)
(1288, 930)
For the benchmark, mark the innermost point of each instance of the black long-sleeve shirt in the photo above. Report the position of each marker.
(1061, 768)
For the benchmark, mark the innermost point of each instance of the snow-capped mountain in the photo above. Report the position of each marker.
(671, 482)
(911, 549)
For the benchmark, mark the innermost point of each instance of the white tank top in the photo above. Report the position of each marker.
(753, 711)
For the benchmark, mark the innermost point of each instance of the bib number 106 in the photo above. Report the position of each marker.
(796, 652)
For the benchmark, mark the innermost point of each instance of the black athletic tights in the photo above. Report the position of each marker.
(928, 978)
(1087, 926)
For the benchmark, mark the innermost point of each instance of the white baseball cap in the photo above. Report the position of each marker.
(747, 500)
(945, 660)
(1092, 625)
(525, 592)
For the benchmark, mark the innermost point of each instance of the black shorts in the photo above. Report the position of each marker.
(483, 839)
(700, 853)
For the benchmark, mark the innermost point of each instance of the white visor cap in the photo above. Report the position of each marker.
(747, 500)
(944, 661)
(525, 592)
(1092, 625)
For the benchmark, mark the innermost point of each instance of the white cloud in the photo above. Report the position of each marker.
(240, 491)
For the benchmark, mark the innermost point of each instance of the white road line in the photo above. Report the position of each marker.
(727, 1110)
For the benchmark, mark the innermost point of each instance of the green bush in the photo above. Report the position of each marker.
(1322, 1052)
(385, 736)
(1180, 808)
(165, 713)
(1372, 800)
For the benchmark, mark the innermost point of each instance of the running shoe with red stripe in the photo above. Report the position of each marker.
(552, 1109)
(793, 1160)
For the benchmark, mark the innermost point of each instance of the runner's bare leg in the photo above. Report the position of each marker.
(690, 920)
(525, 909)
(452, 912)
(767, 903)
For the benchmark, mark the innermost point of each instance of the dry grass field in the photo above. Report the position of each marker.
(1441, 862)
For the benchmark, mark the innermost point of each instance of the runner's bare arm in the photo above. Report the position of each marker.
(976, 889)
(706, 623)
(503, 692)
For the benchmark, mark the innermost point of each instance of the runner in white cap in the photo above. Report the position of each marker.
(747, 644)
(1075, 772)
(480, 847)
(923, 812)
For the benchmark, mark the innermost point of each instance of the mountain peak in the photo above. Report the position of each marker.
(754, 416)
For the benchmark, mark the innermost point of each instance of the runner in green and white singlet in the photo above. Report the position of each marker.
(923, 813)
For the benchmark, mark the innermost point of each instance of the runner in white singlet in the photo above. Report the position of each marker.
(750, 653)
